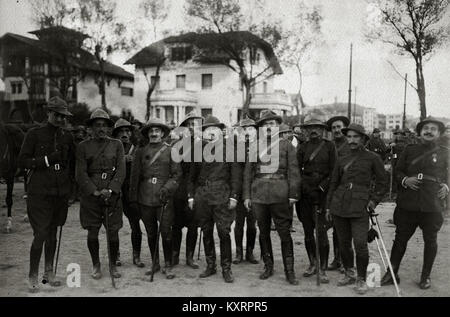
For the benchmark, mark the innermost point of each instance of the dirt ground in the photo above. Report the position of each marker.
(14, 264)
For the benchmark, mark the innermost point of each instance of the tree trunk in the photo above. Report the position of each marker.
(102, 85)
(421, 89)
(247, 99)
(149, 103)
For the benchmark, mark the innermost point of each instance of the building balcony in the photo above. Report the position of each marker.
(270, 99)
(175, 96)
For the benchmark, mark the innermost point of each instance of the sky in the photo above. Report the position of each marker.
(326, 76)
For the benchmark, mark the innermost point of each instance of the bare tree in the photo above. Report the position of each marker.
(415, 28)
(227, 21)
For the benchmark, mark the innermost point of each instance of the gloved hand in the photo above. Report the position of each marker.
(54, 158)
(371, 205)
(164, 195)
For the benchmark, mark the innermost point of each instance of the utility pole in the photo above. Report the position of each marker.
(354, 108)
(349, 114)
(404, 102)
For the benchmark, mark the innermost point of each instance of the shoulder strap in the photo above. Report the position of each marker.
(350, 163)
(155, 157)
(316, 151)
(422, 156)
(341, 146)
(102, 149)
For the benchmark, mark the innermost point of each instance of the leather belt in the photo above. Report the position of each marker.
(271, 176)
(422, 176)
(210, 182)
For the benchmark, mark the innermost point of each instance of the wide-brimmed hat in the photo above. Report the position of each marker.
(313, 122)
(99, 114)
(376, 130)
(283, 128)
(430, 119)
(121, 123)
(247, 123)
(344, 119)
(356, 128)
(268, 115)
(212, 121)
(155, 122)
(58, 105)
(191, 115)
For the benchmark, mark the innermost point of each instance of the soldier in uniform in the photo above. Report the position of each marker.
(335, 125)
(100, 172)
(123, 132)
(184, 217)
(249, 131)
(154, 179)
(316, 159)
(349, 197)
(269, 195)
(421, 171)
(79, 134)
(213, 190)
(48, 152)
(376, 144)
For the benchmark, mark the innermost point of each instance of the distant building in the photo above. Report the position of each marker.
(394, 121)
(185, 83)
(34, 70)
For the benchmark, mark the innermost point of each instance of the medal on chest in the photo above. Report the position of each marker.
(434, 156)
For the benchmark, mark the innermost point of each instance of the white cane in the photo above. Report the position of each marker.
(387, 257)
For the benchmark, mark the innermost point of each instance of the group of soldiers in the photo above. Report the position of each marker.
(332, 184)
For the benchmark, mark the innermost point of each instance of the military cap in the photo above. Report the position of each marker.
(99, 114)
(356, 128)
(121, 123)
(430, 119)
(345, 120)
(212, 121)
(268, 115)
(284, 128)
(247, 123)
(191, 115)
(376, 130)
(155, 122)
(311, 122)
(58, 105)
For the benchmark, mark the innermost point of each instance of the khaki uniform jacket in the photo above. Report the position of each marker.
(100, 165)
(43, 141)
(434, 165)
(350, 185)
(285, 183)
(147, 180)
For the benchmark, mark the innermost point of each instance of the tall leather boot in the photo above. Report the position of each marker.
(225, 259)
(191, 242)
(324, 253)
(114, 247)
(155, 256)
(310, 246)
(167, 250)
(336, 263)
(49, 275)
(251, 237)
(210, 255)
(287, 250)
(176, 245)
(267, 255)
(35, 257)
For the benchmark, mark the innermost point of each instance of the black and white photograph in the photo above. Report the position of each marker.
(232, 150)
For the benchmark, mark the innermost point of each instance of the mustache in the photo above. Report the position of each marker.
(352, 143)
(429, 134)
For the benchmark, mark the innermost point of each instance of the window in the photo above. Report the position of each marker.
(181, 53)
(155, 81)
(206, 112)
(170, 115)
(181, 81)
(207, 81)
(265, 87)
(158, 113)
(16, 88)
(188, 109)
(127, 91)
(38, 86)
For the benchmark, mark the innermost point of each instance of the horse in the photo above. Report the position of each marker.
(11, 139)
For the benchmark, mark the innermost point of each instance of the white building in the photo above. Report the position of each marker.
(212, 88)
(370, 119)
(31, 70)
(393, 121)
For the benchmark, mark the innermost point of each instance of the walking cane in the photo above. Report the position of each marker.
(391, 176)
(163, 208)
(373, 216)
(57, 250)
(108, 242)
(199, 244)
(316, 229)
